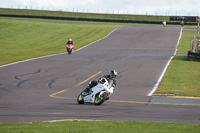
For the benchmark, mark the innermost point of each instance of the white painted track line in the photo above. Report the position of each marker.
(165, 69)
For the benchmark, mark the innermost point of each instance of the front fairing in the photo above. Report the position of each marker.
(70, 46)
(98, 89)
(95, 90)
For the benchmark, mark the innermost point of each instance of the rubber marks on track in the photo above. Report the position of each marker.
(54, 94)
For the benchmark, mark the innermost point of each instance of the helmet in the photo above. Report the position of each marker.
(113, 74)
(70, 40)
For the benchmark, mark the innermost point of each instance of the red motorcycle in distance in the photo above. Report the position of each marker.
(69, 48)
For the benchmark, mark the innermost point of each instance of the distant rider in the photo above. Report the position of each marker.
(70, 42)
(164, 23)
(182, 23)
(110, 78)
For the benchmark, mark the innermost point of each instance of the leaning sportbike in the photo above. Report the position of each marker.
(98, 94)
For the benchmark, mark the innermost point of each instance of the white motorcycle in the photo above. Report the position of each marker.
(98, 94)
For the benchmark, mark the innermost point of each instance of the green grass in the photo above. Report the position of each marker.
(99, 127)
(28, 38)
(184, 46)
(190, 27)
(83, 15)
(182, 76)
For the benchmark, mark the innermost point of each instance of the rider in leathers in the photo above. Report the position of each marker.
(110, 78)
(70, 42)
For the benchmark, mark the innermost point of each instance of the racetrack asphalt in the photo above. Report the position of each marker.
(46, 89)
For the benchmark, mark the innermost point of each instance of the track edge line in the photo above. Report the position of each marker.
(165, 69)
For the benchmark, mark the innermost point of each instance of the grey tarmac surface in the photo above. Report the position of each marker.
(172, 100)
(139, 54)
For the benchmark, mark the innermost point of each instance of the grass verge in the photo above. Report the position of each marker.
(28, 38)
(182, 76)
(83, 15)
(99, 127)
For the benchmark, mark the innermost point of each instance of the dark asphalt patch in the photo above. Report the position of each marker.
(171, 100)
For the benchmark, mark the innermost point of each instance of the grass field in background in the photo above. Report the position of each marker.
(99, 127)
(28, 38)
(83, 15)
(182, 77)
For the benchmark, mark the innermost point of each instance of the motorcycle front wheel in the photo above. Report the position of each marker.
(100, 99)
(80, 99)
(69, 51)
